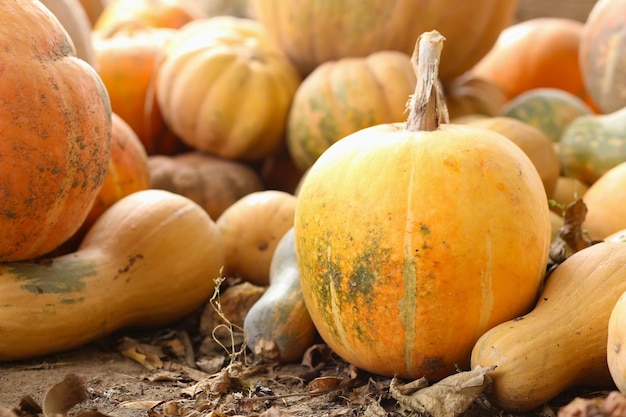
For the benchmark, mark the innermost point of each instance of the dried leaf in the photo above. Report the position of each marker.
(325, 384)
(449, 397)
(63, 396)
(316, 354)
(139, 405)
(572, 237)
(147, 355)
(91, 413)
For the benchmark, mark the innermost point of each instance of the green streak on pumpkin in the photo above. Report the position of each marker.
(57, 277)
(406, 305)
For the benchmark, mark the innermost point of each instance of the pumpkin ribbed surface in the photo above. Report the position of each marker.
(315, 31)
(55, 119)
(225, 89)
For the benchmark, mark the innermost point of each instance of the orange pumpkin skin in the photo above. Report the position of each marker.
(387, 222)
(313, 32)
(536, 53)
(127, 62)
(56, 129)
(601, 55)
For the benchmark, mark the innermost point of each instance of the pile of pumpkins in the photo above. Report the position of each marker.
(396, 188)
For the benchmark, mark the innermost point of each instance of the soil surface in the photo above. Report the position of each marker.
(189, 370)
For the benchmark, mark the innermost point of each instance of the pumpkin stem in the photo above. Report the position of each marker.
(427, 104)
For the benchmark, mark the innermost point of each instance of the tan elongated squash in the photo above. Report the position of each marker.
(562, 342)
(135, 268)
(278, 326)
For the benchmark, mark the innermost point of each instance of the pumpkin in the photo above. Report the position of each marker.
(389, 218)
(75, 20)
(94, 9)
(213, 183)
(537, 53)
(251, 229)
(341, 97)
(615, 340)
(606, 203)
(171, 14)
(602, 48)
(317, 31)
(56, 129)
(533, 142)
(135, 268)
(128, 170)
(550, 110)
(225, 89)
(128, 59)
(534, 364)
(592, 144)
(469, 95)
(278, 326)
(567, 190)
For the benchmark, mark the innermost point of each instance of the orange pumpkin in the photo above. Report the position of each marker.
(536, 53)
(313, 32)
(390, 217)
(151, 13)
(56, 132)
(128, 170)
(225, 89)
(602, 50)
(128, 59)
(606, 203)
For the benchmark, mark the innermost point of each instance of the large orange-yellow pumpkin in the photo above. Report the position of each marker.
(413, 239)
(315, 31)
(55, 124)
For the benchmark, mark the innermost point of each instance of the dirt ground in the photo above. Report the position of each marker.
(183, 371)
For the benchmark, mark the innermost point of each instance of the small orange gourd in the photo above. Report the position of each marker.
(251, 228)
(390, 217)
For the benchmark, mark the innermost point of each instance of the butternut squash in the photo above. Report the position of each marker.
(562, 342)
(616, 343)
(278, 326)
(136, 267)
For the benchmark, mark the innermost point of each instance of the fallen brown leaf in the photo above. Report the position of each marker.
(59, 399)
(449, 397)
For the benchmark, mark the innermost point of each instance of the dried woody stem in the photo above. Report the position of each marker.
(427, 104)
